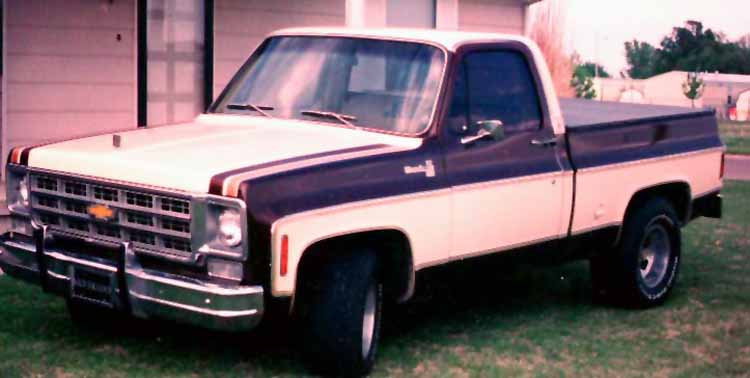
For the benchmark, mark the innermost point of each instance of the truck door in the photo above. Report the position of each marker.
(501, 155)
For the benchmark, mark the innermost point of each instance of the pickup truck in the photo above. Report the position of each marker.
(337, 164)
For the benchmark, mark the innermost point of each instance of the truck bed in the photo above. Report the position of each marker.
(600, 133)
(582, 113)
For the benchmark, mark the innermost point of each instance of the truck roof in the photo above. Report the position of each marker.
(449, 39)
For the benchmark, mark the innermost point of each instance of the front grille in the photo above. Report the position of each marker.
(155, 223)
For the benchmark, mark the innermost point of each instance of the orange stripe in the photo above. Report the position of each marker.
(15, 155)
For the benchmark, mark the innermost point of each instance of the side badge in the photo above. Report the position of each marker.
(427, 168)
(116, 141)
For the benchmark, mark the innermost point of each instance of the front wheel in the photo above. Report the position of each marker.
(643, 271)
(339, 315)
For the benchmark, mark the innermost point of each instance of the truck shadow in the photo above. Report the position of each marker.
(467, 295)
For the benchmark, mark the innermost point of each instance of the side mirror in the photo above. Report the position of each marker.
(492, 128)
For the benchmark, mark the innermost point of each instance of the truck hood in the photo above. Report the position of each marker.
(186, 156)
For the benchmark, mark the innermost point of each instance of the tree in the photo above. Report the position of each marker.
(583, 85)
(547, 30)
(695, 49)
(690, 48)
(641, 57)
(590, 69)
(693, 87)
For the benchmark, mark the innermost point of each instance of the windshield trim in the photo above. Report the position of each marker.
(438, 93)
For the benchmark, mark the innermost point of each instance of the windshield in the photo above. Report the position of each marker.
(382, 85)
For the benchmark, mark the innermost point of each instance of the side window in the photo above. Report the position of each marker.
(458, 117)
(496, 85)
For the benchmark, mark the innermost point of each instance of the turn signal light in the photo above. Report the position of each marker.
(284, 258)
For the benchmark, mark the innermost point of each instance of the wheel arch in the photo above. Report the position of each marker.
(678, 193)
(393, 249)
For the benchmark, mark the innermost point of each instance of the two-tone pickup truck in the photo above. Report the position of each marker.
(336, 165)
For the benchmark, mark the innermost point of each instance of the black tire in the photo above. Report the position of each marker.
(331, 315)
(644, 268)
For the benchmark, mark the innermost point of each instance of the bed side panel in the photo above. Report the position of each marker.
(613, 162)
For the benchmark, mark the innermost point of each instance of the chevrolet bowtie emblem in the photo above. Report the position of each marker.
(101, 212)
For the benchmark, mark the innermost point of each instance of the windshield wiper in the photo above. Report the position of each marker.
(343, 118)
(258, 108)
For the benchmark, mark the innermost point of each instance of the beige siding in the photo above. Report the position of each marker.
(500, 16)
(240, 26)
(66, 69)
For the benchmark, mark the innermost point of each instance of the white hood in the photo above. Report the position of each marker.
(186, 156)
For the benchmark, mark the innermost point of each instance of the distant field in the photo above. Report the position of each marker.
(736, 135)
(480, 320)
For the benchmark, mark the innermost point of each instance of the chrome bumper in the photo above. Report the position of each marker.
(126, 286)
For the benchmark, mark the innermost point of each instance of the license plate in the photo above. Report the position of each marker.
(93, 286)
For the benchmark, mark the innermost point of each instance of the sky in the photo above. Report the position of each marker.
(598, 29)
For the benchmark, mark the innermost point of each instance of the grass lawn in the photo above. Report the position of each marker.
(521, 322)
(736, 135)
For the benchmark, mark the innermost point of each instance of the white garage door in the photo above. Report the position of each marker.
(743, 106)
(240, 25)
(70, 69)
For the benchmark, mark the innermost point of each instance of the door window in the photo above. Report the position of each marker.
(495, 85)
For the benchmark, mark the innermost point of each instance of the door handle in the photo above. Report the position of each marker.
(549, 142)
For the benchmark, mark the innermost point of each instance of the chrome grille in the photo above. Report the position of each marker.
(154, 222)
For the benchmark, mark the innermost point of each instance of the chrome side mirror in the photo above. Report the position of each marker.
(492, 128)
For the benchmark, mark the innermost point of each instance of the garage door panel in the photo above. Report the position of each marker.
(237, 48)
(67, 73)
(303, 6)
(83, 42)
(238, 23)
(44, 97)
(61, 69)
(44, 127)
(241, 25)
(71, 13)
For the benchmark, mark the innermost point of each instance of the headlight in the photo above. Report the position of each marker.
(18, 190)
(219, 227)
(230, 228)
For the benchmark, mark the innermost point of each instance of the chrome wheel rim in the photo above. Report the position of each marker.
(653, 259)
(368, 323)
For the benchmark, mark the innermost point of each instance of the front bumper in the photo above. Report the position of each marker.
(126, 286)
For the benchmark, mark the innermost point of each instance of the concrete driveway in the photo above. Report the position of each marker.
(737, 167)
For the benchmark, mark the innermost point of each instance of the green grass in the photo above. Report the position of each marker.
(736, 135)
(511, 322)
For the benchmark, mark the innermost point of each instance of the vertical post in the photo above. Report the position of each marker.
(4, 89)
(142, 62)
(208, 54)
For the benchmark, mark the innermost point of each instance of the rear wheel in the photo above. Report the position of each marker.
(643, 270)
(339, 315)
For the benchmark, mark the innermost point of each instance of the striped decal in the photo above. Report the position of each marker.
(14, 157)
(20, 155)
(228, 183)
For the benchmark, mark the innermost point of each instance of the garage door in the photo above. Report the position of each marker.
(743, 106)
(70, 69)
(240, 25)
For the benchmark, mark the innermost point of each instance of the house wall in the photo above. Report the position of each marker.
(70, 68)
(240, 25)
(499, 16)
(71, 65)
